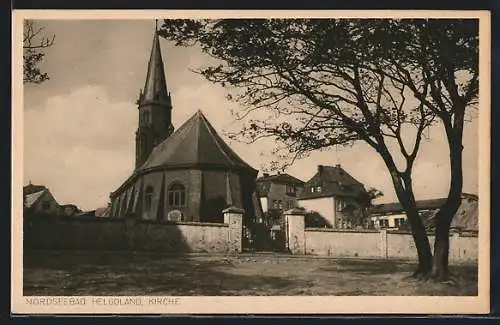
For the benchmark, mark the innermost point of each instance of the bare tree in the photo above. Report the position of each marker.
(332, 82)
(34, 45)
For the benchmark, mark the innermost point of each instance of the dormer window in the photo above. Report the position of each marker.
(316, 189)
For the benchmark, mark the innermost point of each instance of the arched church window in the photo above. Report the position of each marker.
(176, 195)
(145, 117)
(148, 198)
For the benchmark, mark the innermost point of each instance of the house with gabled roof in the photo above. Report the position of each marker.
(331, 193)
(278, 191)
(39, 199)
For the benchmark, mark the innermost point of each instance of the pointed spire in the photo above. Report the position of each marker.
(155, 88)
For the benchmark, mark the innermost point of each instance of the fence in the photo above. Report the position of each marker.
(367, 243)
(134, 234)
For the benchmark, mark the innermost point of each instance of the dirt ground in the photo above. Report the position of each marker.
(98, 273)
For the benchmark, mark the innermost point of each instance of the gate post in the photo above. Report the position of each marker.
(234, 218)
(295, 227)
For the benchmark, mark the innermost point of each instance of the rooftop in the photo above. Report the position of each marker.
(264, 182)
(396, 207)
(32, 198)
(195, 143)
(334, 181)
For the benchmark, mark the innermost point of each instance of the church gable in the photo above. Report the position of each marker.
(195, 143)
(187, 175)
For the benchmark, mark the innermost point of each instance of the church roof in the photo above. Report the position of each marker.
(195, 143)
(155, 88)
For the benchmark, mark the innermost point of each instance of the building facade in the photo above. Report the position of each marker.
(334, 195)
(278, 191)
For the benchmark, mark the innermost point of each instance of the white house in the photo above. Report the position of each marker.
(329, 192)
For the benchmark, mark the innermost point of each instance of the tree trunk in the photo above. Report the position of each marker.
(445, 215)
(440, 269)
(404, 190)
(422, 244)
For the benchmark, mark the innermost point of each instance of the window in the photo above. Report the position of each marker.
(384, 223)
(148, 198)
(177, 195)
(290, 205)
(396, 222)
(280, 205)
(275, 204)
(341, 204)
(290, 189)
(316, 189)
(145, 117)
(399, 222)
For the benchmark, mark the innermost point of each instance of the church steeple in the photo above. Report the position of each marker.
(155, 88)
(155, 106)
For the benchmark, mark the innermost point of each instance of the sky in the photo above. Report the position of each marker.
(79, 126)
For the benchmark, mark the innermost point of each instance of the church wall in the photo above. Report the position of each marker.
(206, 194)
(155, 181)
(191, 179)
(251, 208)
(236, 190)
(214, 194)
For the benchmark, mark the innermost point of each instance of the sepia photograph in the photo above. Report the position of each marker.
(177, 162)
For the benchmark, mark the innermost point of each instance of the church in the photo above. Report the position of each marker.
(188, 174)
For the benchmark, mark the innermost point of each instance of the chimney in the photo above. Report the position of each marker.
(320, 169)
(265, 174)
(337, 165)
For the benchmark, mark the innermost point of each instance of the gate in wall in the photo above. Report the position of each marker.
(262, 237)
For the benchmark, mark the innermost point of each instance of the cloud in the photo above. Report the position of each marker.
(80, 145)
